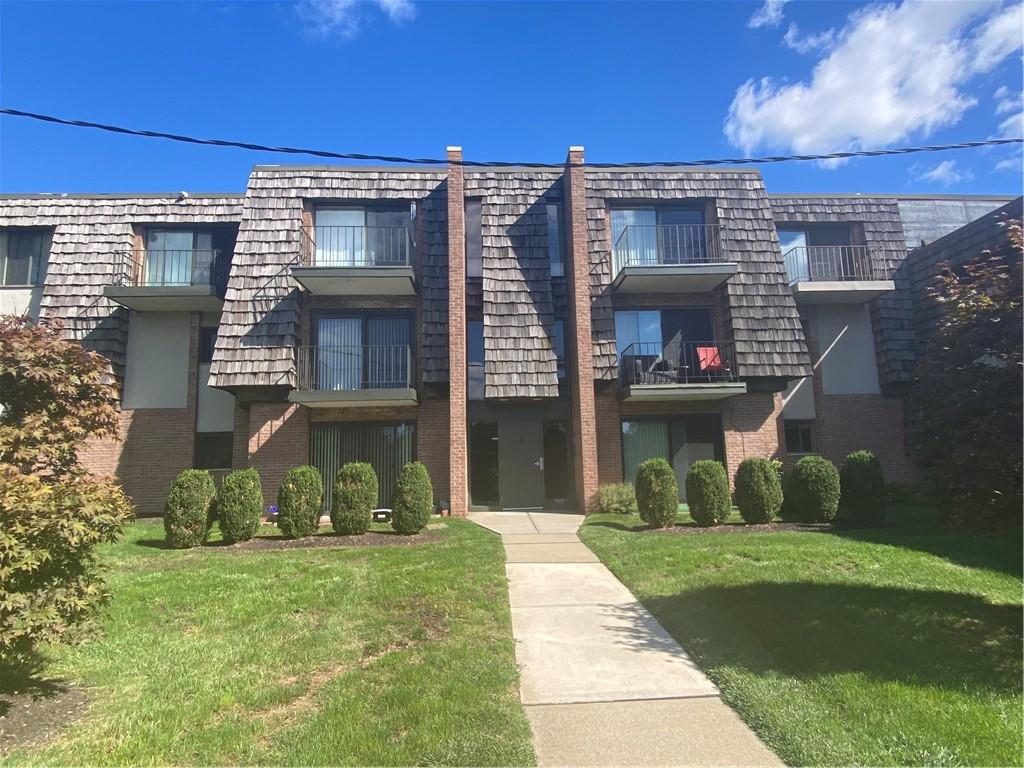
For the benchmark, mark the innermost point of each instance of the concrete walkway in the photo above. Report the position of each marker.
(601, 680)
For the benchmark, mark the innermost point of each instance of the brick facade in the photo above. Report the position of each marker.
(458, 468)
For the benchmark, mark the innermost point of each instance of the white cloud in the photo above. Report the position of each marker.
(1015, 163)
(1008, 101)
(768, 15)
(343, 18)
(945, 173)
(998, 37)
(809, 42)
(895, 71)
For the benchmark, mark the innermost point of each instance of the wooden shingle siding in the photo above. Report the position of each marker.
(762, 318)
(88, 234)
(921, 268)
(260, 323)
(891, 314)
(518, 311)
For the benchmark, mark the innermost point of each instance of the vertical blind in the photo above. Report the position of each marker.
(387, 447)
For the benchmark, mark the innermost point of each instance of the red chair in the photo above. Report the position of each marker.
(710, 360)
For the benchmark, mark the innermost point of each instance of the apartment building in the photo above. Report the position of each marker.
(528, 333)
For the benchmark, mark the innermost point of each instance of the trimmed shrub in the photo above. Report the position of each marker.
(758, 490)
(299, 501)
(413, 499)
(188, 511)
(239, 505)
(657, 493)
(812, 491)
(616, 499)
(863, 489)
(707, 492)
(355, 496)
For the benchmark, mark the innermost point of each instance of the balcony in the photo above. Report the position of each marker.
(679, 371)
(834, 274)
(170, 280)
(356, 261)
(354, 376)
(669, 258)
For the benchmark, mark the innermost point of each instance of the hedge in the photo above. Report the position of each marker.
(863, 489)
(707, 492)
(758, 490)
(355, 496)
(616, 499)
(239, 505)
(413, 499)
(299, 501)
(188, 511)
(657, 493)
(812, 491)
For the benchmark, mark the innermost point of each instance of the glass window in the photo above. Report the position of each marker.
(474, 239)
(634, 238)
(371, 352)
(387, 447)
(483, 463)
(207, 341)
(213, 450)
(681, 441)
(559, 342)
(475, 360)
(178, 257)
(554, 213)
(799, 435)
(23, 256)
(641, 328)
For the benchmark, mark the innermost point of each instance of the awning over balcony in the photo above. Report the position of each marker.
(669, 258)
(356, 261)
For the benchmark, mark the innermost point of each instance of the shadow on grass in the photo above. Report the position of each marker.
(25, 682)
(617, 526)
(805, 630)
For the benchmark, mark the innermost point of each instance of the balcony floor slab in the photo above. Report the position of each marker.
(353, 398)
(165, 298)
(840, 291)
(664, 393)
(673, 278)
(356, 281)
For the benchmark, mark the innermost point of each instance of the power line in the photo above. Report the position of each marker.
(499, 163)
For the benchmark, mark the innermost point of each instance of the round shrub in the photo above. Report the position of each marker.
(707, 492)
(812, 490)
(299, 501)
(758, 490)
(239, 505)
(413, 499)
(657, 493)
(187, 513)
(616, 499)
(863, 489)
(355, 496)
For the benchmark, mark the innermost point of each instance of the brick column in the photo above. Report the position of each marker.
(458, 486)
(581, 350)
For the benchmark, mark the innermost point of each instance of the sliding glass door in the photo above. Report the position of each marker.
(681, 440)
(363, 352)
(387, 447)
(178, 257)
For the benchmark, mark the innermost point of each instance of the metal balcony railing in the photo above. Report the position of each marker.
(806, 263)
(356, 247)
(326, 369)
(656, 245)
(169, 268)
(686, 362)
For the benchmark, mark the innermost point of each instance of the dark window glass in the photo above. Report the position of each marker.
(557, 464)
(475, 360)
(362, 352)
(387, 447)
(559, 344)
(681, 441)
(23, 256)
(474, 240)
(207, 340)
(554, 214)
(483, 462)
(799, 436)
(213, 450)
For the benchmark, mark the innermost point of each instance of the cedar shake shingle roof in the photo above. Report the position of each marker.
(518, 309)
(891, 314)
(88, 233)
(921, 267)
(762, 317)
(260, 322)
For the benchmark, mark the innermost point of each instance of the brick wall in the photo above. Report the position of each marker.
(278, 439)
(155, 444)
(458, 489)
(580, 346)
(432, 441)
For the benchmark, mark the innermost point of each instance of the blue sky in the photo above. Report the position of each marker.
(511, 81)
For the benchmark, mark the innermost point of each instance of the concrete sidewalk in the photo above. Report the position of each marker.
(601, 680)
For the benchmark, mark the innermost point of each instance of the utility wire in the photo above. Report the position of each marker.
(499, 163)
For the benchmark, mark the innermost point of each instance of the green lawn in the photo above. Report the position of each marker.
(358, 656)
(882, 647)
